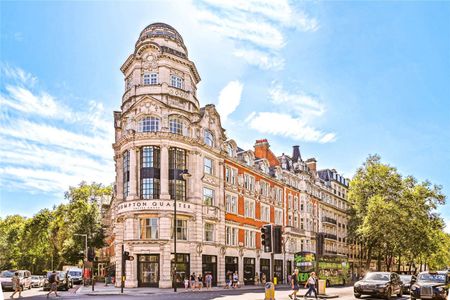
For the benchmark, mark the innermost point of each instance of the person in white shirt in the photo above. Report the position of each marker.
(311, 283)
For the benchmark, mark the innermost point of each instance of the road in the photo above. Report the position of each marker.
(343, 293)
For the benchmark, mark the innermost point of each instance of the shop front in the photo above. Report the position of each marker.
(264, 268)
(231, 265)
(183, 268)
(148, 270)
(209, 265)
(249, 271)
(278, 271)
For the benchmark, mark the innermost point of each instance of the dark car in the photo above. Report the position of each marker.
(407, 282)
(64, 283)
(379, 284)
(431, 285)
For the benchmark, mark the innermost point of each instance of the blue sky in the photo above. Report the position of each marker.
(340, 79)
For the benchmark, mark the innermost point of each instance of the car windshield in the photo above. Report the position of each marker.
(7, 274)
(432, 277)
(74, 273)
(377, 276)
(405, 278)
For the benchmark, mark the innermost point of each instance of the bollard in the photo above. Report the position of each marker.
(269, 291)
(321, 289)
(275, 281)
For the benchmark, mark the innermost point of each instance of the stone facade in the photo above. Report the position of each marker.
(162, 132)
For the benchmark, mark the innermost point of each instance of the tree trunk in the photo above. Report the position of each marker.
(379, 261)
(399, 262)
(369, 257)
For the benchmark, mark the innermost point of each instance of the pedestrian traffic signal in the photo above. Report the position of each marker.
(277, 239)
(91, 254)
(126, 256)
(266, 237)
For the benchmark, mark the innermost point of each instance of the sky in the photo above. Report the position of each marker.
(342, 79)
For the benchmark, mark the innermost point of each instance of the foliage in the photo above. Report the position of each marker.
(48, 240)
(395, 218)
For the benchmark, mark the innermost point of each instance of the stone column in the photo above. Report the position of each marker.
(164, 172)
(133, 170)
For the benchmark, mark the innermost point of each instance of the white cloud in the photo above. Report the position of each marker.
(229, 99)
(288, 126)
(17, 74)
(305, 105)
(47, 146)
(260, 59)
(257, 26)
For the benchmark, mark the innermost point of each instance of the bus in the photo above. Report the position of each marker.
(332, 268)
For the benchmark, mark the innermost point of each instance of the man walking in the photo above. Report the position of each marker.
(53, 280)
(311, 283)
(16, 285)
(294, 285)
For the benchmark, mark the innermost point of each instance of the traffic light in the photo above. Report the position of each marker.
(277, 239)
(91, 254)
(126, 256)
(266, 237)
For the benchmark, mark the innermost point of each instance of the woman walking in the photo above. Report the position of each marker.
(311, 283)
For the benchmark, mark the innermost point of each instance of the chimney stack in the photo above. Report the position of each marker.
(311, 163)
(296, 157)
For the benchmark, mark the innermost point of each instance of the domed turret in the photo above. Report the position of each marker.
(165, 36)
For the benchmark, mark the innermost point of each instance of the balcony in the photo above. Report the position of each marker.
(330, 252)
(329, 220)
(211, 212)
(294, 230)
(330, 236)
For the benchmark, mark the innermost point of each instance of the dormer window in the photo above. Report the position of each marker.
(176, 81)
(230, 151)
(209, 139)
(149, 124)
(150, 78)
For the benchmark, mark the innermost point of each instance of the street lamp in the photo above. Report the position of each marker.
(184, 175)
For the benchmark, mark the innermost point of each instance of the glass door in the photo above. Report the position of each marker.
(249, 271)
(148, 270)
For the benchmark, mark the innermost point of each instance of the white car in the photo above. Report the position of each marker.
(24, 276)
(37, 281)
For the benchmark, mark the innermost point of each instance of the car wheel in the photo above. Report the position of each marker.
(357, 296)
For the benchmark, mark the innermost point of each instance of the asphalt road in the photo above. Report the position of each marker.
(342, 292)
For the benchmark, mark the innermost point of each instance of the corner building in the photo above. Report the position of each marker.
(160, 132)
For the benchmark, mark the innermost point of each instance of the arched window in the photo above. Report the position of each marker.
(209, 138)
(149, 124)
(176, 125)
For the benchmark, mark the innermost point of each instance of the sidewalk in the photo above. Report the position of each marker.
(101, 289)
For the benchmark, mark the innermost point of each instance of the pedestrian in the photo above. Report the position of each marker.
(53, 280)
(263, 278)
(256, 278)
(235, 280)
(16, 285)
(186, 283)
(193, 278)
(311, 283)
(294, 285)
(208, 280)
(200, 281)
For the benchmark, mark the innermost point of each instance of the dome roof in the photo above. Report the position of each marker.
(163, 30)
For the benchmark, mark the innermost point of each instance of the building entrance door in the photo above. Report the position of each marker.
(278, 272)
(183, 268)
(148, 270)
(264, 268)
(209, 265)
(231, 266)
(249, 271)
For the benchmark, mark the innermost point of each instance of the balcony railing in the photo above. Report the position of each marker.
(329, 220)
(330, 236)
(330, 252)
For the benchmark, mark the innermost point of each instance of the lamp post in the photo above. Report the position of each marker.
(184, 175)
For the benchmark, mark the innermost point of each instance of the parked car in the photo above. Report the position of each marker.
(407, 282)
(431, 285)
(24, 277)
(64, 283)
(76, 275)
(37, 281)
(379, 284)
